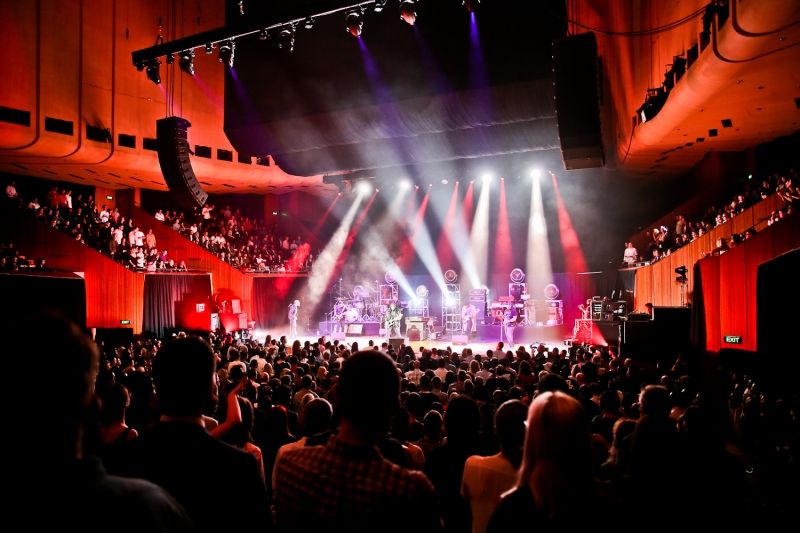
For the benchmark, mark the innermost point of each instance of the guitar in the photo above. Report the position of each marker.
(468, 314)
(393, 319)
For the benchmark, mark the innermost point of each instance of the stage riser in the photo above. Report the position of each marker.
(522, 335)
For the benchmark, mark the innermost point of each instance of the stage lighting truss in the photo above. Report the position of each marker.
(517, 275)
(354, 24)
(450, 276)
(408, 11)
(390, 279)
(226, 52)
(551, 291)
(154, 71)
(186, 62)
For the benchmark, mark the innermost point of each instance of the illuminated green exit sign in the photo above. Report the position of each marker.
(733, 339)
(124, 322)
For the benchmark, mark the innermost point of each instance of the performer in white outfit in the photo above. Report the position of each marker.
(509, 319)
(293, 319)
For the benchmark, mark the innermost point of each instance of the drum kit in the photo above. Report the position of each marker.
(362, 305)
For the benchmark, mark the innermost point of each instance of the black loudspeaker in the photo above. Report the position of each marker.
(575, 72)
(173, 156)
(396, 342)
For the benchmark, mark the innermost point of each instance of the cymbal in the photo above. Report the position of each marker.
(341, 298)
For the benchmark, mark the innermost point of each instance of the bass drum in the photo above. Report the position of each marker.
(352, 315)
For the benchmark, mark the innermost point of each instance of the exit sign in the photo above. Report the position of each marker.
(124, 322)
(733, 339)
(109, 197)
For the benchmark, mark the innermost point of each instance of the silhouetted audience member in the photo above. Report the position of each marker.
(178, 453)
(55, 487)
(351, 485)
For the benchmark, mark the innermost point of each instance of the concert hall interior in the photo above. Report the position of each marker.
(611, 178)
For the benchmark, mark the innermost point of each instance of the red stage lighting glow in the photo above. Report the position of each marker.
(570, 246)
(466, 207)
(444, 248)
(284, 283)
(503, 254)
(351, 237)
(327, 213)
(408, 249)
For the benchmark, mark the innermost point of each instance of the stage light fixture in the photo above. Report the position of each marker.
(404, 185)
(379, 5)
(471, 5)
(408, 11)
(309, 23)
(364, 187)
(354, 24)
(170, 59)
(186, 62)
(517, 275)
(210, 48)
(286, 39)
(450, 276)
(153, 70)
(681, 271)
(487, 178)
(422, 291)
(226, 52)
(444, 182)
(262, 35)
(536, 173)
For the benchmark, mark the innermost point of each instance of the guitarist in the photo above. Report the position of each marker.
(339, 311)
(468, 314)
(392, 319)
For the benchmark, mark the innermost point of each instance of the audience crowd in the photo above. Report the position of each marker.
(249, 245)
(338, 437)
(244, 244)
(661, 242)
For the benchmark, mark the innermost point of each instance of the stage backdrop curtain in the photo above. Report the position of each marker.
(271, 299)
(64, 293)
(163, 293)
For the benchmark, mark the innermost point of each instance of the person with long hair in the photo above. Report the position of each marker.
(555, 485)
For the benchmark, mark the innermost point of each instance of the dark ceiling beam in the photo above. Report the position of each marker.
(248, 26)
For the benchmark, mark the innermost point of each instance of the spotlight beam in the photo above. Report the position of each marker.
(480, 233)
(503, 253)
(326, 262)
(571, 247)
(538, 252)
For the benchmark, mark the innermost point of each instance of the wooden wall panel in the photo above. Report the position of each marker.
(113, 293)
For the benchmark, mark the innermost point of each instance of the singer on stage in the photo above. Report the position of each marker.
(293, 319)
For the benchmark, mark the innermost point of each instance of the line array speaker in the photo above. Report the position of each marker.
(173, 156)
(575, 72)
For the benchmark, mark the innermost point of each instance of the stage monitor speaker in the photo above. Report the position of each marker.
(414, 334)
(355, 329)
(215, 322)
(460, 339)
(236, 306)
(173, 157)
(577, 97)
(396, 342)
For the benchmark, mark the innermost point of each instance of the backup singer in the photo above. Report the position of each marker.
(393, 317)
(293, 319)
(468, 314)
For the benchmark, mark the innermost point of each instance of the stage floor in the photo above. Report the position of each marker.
(487, 338)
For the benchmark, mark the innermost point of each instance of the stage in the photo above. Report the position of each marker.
(485, 333)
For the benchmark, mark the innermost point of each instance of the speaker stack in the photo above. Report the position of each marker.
(173, 156)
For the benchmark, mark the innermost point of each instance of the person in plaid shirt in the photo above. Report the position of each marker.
(347, 485)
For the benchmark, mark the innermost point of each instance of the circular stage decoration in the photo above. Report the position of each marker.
(422, 291)
(551, 292)
(390, 279)
(517, 275)
(450, 276)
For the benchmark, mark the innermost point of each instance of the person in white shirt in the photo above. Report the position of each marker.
(69, 199)
(413, 376)
(34, 205)
(487, 478)
(206, 212)
(104, 215)
(160, 216)
(118, 234)
(631, 255)
(139, 237)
